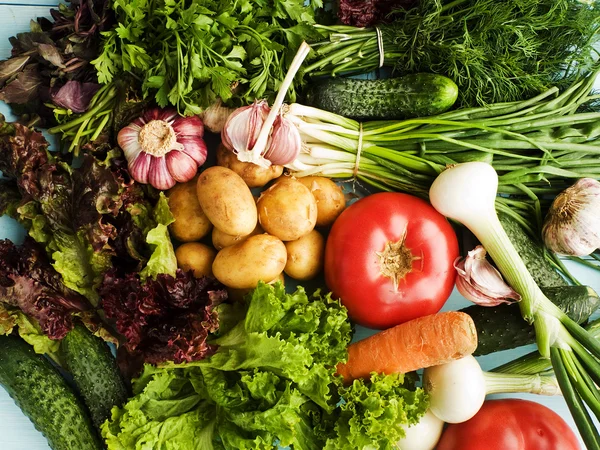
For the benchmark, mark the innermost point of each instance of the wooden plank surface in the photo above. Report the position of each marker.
(16, 431)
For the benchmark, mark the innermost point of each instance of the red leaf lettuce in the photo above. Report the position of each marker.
(29, 283)
(89, 219)
(165, 319)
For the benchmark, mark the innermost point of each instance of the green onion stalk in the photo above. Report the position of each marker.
(80, 129)
(537, 146)
(592, 261)
(466, 193)
(533, 363)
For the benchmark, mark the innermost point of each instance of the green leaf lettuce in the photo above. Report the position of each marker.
(271, 383)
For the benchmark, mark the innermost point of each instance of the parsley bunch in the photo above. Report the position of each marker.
(189, 53)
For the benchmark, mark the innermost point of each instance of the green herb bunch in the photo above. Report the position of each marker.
(189, 53)
(495, 50)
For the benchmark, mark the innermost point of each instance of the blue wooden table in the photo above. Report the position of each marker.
(16, 431)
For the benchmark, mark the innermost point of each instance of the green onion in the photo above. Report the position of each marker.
(533, 362)
(79, 129)
(467, 193)
(537, 146)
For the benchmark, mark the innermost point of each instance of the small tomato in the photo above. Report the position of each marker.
(510, 424)
(389, 258)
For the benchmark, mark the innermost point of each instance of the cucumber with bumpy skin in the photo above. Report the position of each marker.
(502, 327)
(531, 253)
(416, 95)
(45, 397)
(94, 369)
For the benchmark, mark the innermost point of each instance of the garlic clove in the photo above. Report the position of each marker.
(167, 114)
(151, 114)
(572, 225)
(471, 293)
(480, 282)
(181, 166)
(139, 167)
(188, 126)
(243, 126)
(158, 175)
(285, 142)
(128, 141)
(195, 148)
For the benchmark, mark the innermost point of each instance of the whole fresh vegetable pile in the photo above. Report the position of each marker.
(232, 243)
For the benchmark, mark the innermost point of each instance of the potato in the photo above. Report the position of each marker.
(243, 265)
(197, 257)
(227, 201)
(330, 199)
(287, 209)
(252, 174)
(221, 240)
(191, 224)
(305, 256)
(238, 295)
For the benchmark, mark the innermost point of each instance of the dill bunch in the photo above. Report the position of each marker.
(495, 50)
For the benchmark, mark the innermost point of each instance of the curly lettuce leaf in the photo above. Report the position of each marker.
(167, 318)
(28, 283)
(271, 383)
(9, 199)
(370, 412)
(90, 218)
(35, 302)
(79, 264)
(167, 413)
(162, 260)
(28, 329)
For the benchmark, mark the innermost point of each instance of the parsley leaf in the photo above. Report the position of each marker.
(189, 54)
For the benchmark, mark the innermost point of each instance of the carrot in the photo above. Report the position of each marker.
(423, 342)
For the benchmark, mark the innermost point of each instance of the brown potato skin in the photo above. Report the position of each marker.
(243, 265)
(227, 201)
(197, 257)
(287, 209)
(330, 199)
(305, 256)
(221, 240)
(191, 224)
(252, 174)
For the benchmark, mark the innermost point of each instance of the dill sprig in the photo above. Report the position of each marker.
(495, 50)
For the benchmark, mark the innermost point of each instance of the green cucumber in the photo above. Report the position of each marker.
(94, 369)
(532, 254)
(502, 327)
(45, 397)
(416, 95)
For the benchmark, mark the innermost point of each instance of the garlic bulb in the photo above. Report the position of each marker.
(572, 225)
(480, 282)
(215, 116)
(163, 148)
(243, 128)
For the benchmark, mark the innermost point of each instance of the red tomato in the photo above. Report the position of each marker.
(510, 424)
(389, 258)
